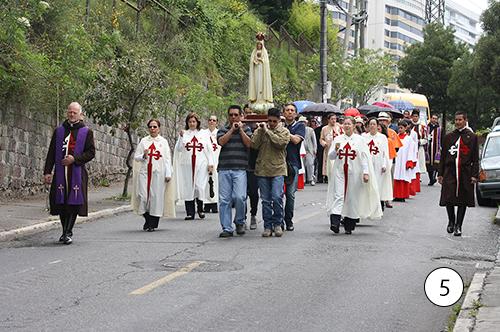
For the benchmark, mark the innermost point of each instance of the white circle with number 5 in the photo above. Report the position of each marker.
(444, 287)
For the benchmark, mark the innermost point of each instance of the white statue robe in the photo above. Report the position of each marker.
(405, 153)
(347, 194)
(150, 191)
(192, 155)
(379, 151)
(215, 178)
(260, 90)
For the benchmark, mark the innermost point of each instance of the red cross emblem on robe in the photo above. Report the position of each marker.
(346, 152)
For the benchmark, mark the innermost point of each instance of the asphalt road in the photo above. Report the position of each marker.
(308, 280)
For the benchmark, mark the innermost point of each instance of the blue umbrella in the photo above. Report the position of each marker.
(402, 105)
(301, 104)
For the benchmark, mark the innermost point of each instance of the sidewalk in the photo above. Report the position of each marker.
(27, 216)
(480, 310)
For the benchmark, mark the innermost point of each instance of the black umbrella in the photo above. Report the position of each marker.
(320, 109)
(396, 114)
(365, 109)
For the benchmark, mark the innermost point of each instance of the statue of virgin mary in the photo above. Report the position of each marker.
(260, 90)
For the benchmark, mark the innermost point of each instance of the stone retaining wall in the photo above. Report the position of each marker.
(24, 140)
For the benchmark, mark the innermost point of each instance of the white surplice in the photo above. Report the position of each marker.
(347, 194)
(193, 154)
(150, 191)
(379, 150)
(215, 178)
(405, 153)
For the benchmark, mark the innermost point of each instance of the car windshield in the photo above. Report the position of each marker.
(492, 148)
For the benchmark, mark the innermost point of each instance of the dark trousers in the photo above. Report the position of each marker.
(68, 218)
(459, 219)
(189, 205)
(350, 223)
(432, 171)
(150, 221)
(210, 207)
(319, 163)
(252, 193)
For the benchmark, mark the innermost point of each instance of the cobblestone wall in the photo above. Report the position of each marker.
(24, 140)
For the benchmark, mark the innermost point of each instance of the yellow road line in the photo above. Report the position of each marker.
(155, 284)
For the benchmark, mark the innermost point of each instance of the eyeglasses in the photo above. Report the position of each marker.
(234, 114)
(152, 127)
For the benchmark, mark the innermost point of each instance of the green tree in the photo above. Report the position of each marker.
(123, 96)
(365, 74)
(470, 94)
(273, 10)
(487, 64)
(426, 68)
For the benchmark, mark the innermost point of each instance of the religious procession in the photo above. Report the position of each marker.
(262, 152)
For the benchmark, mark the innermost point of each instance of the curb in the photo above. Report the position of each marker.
(497, 217)
(53, 222)
(465, 321)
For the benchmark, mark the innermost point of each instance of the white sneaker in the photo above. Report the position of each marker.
(313, 183)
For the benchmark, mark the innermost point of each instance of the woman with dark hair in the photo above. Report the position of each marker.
(379, 151)
(193, 160)
(328, 133)
(152, 172)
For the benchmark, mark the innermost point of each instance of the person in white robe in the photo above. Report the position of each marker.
(379, 150)
(352, 189)
(212, 189)
(405, 162)
(193, 160)
(152, 189)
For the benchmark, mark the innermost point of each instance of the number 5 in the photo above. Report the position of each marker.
(443, 286)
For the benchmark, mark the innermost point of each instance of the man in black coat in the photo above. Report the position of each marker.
(458, 172)
(71, 147)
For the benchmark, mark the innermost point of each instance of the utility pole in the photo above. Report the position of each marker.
(323, 50)
(347, 31)
(362, 28)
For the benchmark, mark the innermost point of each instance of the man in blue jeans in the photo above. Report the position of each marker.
(270, 140)
(297, 134)
(233, 163)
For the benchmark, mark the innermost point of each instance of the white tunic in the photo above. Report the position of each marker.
(347, 194)
(422, 132)
(192, 155)
(406, 153)
(379, 150)
(150, 192)
(215, 178)
(414, 151)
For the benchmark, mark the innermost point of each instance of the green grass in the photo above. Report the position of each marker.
(453, 317)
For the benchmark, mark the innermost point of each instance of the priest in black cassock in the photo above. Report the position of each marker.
(458, 172)
(71, 147)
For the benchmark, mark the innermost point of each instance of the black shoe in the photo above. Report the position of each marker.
(450, 228)
(150, 229)
(189, 218)
(240, 229)
(290, 228)
(201, 215)
(334, 228)
(215, 211)
(61, 239)
(348, 232)
(226, 234)
(431, 183)
(70, 233)
(67, 240)
(458, 231)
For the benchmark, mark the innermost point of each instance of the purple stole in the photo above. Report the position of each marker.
(434, 148)
(75, 195)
